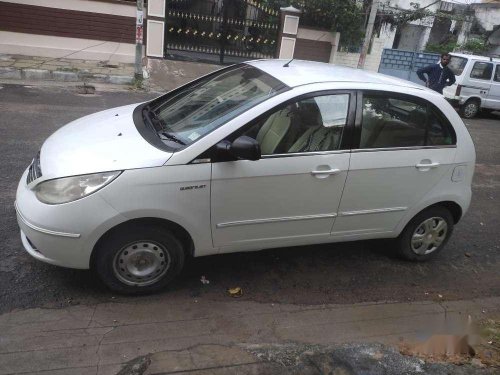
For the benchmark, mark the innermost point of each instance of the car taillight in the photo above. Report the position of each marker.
(459, 88)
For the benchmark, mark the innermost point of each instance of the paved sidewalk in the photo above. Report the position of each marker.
(210, 337)
(64, 69)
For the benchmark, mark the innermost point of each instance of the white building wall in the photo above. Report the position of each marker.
(419, 40)
(372, 59)
(488, 16)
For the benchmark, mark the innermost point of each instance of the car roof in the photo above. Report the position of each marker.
(475, 57)
(301, 72)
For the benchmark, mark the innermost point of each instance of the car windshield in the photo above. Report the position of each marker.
(197, 109)
(457, 64)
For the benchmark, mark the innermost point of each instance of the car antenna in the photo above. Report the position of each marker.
(288, 63)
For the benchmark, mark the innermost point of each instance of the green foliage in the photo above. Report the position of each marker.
(344, 16)
(395, 16)
(475, 46)
(441, 47)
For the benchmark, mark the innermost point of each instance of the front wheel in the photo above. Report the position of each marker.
(425, 235)
(139, 259)
(470, 109)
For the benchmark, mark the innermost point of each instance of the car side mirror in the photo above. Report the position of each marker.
(243, 147)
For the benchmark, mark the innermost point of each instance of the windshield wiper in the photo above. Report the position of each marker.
(171, 137)
(156, 122)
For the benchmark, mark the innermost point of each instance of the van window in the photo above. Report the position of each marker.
(393, 121)
(457, 64)
(482, 70)
(497, 74)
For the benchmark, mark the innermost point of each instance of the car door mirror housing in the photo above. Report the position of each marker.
(243, 147)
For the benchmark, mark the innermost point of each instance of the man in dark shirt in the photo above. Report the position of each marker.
(438, 75)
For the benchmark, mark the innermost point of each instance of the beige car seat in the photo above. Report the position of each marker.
(273, 132)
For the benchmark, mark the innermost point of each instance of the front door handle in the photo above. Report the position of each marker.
(325, 173)
(427, 166)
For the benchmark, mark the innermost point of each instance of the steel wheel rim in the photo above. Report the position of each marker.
(429, 235)
(470, 109)
(141, 263)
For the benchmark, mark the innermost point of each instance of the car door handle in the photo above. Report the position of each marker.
(427, 165)
(326, 172)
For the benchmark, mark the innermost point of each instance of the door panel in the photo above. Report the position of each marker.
(479, 81)
(382, 185)
(405, 146)
(276, 198)
(493, 100)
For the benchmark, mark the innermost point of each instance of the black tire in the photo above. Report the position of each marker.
(470, 109)
(403, 243)
(154, 246)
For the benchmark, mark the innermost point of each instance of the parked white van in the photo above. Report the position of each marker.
(477, 86)
(257, 155)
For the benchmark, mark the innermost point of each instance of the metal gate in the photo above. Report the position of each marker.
(223, 31)
(404, 64)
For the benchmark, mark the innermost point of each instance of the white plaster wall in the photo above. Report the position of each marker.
(387, 36)
(59, 47)
(318, 35)
(372, 61)
(488, 16)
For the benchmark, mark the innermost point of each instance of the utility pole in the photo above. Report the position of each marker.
(139, 27)
(368, 34)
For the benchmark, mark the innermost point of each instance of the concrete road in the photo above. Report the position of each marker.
(327, 274)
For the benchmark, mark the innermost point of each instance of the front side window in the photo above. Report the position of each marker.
(402, 122)
(197, 109)
(307, 125)
(481, 70)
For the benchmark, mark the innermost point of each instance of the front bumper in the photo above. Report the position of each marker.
(64, 234)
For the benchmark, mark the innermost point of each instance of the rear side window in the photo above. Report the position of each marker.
(457, 64)
(497, 74)
(481, 70)
(439, 130)
(393, 121)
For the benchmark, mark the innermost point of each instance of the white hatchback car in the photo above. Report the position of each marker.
(256, 155)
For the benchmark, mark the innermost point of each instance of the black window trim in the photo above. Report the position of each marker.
(356, 139)
(346, 135)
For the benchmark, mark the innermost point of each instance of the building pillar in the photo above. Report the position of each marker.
(155, 35)
(335, 47)
(289, 26)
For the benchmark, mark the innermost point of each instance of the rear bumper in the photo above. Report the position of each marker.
(455, 103)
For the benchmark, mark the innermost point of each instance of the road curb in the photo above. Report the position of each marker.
(63, 76)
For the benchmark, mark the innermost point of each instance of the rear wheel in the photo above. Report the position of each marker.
(139, 259)
(470, 109)
(425, 235)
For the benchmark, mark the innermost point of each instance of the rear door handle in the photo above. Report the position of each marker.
(427, 165)
(326, 172)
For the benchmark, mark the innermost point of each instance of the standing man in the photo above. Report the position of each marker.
(438, 75)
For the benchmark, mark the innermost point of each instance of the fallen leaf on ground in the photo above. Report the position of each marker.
(235, 292)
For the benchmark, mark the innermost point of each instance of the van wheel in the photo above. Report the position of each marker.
(139, 259)
(425, 235)
(470, 109)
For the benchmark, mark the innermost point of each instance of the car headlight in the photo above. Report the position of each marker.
(67, 189)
